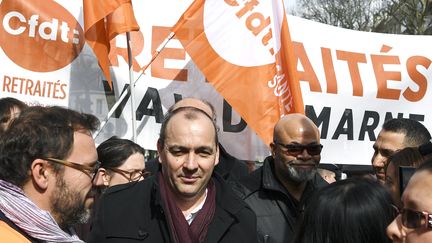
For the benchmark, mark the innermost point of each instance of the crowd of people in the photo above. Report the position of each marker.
(57, 186)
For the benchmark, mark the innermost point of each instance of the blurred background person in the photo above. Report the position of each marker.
(10, 108)
(327, 175)
(354, 210)
(329, 172)
(122, 161)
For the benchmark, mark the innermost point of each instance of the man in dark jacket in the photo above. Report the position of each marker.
(279, 190)
(229, 167)
(184, 202)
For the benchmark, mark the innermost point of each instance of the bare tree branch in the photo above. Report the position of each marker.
(387, 16)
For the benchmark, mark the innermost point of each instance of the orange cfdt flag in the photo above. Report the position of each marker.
(261, 94)
(104, 20)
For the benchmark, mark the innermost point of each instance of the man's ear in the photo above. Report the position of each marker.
(217, 155)
(159, 149)
(272, 149)
(40, 173)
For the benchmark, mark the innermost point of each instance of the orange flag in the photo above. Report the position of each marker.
(245, 51)
(104, 20)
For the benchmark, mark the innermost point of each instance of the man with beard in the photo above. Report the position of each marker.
(184, 202)
(279, 190)
(48, 160)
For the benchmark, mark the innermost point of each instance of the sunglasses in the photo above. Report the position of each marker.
(131, 176)
(296, 149)
(415, 219)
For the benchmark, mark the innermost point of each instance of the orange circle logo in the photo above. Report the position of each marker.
(40, 36)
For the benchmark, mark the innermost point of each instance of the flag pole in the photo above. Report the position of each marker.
(111, 112)
(156, 53)
(131, 87)
(132, 84)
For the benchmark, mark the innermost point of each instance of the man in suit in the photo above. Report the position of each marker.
(185, 201)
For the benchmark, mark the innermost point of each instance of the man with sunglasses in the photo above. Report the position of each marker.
(413, 223)
(48, 160)
(280, 188)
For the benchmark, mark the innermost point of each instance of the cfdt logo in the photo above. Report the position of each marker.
(40, 36)
(250, 38)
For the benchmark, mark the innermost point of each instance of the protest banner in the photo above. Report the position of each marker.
(351, 81)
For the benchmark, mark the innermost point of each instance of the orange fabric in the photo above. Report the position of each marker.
(10, 235)
(104, 20)
(40, 54)
(245, 88)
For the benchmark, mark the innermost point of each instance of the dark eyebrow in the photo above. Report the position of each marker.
(297, 143)
(182, 148)
(201, 148)
(388, 150)
(169, 147)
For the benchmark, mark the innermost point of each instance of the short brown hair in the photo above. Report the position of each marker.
(40, 132)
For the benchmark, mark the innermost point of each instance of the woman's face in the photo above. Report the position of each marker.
(416, 197)
(130, 169)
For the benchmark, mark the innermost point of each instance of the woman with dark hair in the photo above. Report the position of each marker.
(122, 161)
(354, 210)
(10, 108)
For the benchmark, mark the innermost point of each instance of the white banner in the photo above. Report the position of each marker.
(351, 81)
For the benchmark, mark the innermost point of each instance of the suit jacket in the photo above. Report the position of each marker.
(134, 212)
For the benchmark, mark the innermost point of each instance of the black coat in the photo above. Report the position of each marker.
(134, 212)
(229, 167)
(277, 211)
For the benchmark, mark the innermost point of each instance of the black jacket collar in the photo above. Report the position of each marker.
(264, 178)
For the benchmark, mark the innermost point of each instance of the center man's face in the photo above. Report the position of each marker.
(189, 155)
(73, 197)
